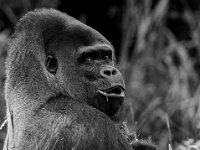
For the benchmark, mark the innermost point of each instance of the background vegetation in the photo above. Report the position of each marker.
(157, 46)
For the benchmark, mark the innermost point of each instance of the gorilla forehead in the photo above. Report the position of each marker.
(54, 25)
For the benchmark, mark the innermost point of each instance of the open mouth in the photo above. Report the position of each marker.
(113, 92)
(110, 100)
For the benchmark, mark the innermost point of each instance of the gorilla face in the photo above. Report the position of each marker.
(104, 82)
(88, 74)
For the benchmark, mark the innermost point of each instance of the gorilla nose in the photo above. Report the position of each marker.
(110, 73)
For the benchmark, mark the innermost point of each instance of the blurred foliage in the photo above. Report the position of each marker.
(12, 10)
(160, 63)
(3, 46)
(159, 60)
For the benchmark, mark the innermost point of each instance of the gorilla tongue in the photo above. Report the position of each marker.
(110, 100)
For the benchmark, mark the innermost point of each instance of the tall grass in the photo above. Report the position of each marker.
(161, 76)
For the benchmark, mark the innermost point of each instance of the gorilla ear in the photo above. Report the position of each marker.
(51, 64)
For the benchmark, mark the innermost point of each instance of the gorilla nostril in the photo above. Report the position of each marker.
(107, 72)
(114, 72)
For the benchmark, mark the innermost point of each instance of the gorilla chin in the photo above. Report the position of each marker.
(110, 100)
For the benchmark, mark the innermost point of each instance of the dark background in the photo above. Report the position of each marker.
(157, 48)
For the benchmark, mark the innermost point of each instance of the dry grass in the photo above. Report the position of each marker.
(162, 83)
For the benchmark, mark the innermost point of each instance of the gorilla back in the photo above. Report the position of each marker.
(62, 89)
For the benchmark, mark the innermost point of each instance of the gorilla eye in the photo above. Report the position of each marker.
(88, 60)
(51, 64)
(105, 57)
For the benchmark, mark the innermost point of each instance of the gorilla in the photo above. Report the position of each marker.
(62, 89)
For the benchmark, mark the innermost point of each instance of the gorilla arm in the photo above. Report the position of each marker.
(74, 126)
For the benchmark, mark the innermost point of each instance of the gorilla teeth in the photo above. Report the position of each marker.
(103, 93)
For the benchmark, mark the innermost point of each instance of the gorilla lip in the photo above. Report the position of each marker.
(115, 92)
